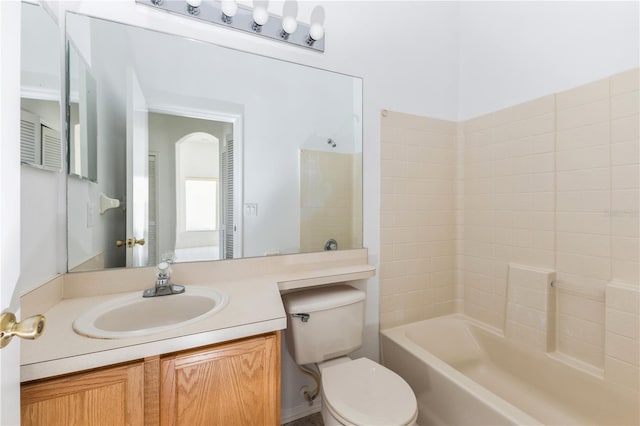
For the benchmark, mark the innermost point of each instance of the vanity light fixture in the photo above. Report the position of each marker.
(255, 21)
(229, 10)
(260, 17)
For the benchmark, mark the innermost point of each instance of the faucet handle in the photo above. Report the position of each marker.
(163, 270)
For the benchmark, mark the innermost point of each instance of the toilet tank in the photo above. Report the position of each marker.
(334, 326)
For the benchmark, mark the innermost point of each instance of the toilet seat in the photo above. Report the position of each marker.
(363, 392)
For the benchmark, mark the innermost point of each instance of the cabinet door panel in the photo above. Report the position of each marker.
(230, 384)
(103, 397)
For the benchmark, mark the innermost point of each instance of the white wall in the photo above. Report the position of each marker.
(39, 254)
(40, 53)
(512, 52)
(40, 88)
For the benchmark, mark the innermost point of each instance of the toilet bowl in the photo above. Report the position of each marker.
(363, 392)
(324, 325)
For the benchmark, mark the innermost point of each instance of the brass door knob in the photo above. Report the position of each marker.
(133, 241)
(29, 328)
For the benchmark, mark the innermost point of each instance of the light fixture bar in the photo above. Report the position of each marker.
(211, 11)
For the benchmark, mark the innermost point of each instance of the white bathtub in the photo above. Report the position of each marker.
(466, 374)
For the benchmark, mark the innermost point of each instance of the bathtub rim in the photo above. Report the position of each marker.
(495, 402)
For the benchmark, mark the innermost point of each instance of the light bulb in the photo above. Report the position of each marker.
(229, 9)
(194, 3)
(289, 25)
(316, 32)
(260, 16)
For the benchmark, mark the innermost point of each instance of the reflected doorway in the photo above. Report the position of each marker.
(194, 195)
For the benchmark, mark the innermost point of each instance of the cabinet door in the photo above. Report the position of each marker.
(110, 396)
(230, 384)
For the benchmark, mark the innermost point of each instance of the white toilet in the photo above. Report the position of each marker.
(324, 325)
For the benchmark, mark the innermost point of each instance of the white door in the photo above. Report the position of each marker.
(137, 174)
(9, 196)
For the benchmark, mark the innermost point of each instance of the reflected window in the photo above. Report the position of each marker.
(197, 195)
(200, 196)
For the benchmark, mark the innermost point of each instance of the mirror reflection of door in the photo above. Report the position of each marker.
(137, 251)
(227, 238)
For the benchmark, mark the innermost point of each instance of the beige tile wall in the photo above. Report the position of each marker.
(597, 215)
(625, 180)
(508, 202)
(552, 183)
(530, 313)
(583, 257)
(418, 231)
(356, 219)
(622, 347)
(329, 200)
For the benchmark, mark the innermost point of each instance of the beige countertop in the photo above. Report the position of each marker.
(254, 307)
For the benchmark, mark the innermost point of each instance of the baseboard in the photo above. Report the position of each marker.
(294, 413)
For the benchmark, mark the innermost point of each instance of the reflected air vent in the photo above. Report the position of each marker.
(29, 138)
(51, 149)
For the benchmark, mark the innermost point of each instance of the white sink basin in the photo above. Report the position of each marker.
(132, 315)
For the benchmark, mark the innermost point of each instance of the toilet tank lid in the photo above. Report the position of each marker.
(322, 298)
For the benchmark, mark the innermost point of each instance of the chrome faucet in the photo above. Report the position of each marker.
(163, 286)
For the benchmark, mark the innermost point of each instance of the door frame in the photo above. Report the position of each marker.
(10, 26)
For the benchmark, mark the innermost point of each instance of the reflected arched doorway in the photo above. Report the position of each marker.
(193, 151)
(198, 221)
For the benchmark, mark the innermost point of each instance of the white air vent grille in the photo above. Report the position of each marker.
(51, 149)
(29, 138)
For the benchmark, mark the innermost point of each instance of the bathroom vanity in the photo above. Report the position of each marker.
(223, 369)
(230, 383)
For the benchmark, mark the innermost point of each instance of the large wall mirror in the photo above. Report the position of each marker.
(182, 150)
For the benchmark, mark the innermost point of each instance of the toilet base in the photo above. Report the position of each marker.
(327, 418)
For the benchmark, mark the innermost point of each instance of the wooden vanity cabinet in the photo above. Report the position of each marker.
(234, 383)
(229, 384)
(108, 396)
